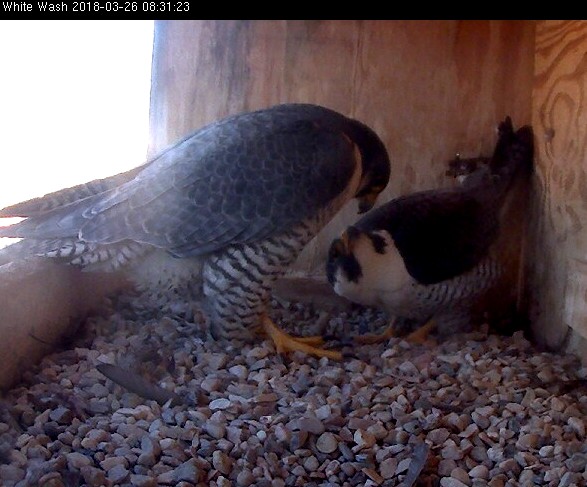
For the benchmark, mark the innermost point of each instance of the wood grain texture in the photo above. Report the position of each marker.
(559, 271)
(430, 88)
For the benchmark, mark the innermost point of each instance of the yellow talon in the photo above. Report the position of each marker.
(418, 336)
(286, 343)
(313, 340)
(421, 334)
(377, 338)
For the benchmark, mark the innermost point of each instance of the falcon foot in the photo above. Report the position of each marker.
(286, 343)
(421, 334)
(376, 337)
(418, 336)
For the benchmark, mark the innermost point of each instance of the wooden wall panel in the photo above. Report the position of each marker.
(430, 88)
(559, 263)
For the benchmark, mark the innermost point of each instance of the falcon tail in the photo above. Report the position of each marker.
(54, 234)
(88, 256)
(52, 223)
(67, 196)
(510, 167)
(60, 214)
(491, 180)
(514, 152)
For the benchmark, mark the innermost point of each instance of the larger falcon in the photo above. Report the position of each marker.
(245, 194)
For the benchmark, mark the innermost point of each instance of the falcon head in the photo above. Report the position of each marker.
(375, 166)
(368, 194)
(365, 266)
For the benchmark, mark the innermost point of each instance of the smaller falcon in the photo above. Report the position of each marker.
(431, 256)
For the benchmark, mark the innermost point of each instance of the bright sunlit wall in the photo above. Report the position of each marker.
(74, 103)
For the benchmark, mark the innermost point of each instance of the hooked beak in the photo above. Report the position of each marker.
(367, 201)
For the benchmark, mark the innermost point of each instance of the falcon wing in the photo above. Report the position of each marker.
(237, 180)
(439, 234)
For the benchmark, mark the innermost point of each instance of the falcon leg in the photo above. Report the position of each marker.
(287, 343)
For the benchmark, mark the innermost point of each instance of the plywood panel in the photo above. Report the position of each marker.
(430, 88)
(559, 270)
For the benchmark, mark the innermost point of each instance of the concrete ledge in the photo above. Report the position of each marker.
(40, 301)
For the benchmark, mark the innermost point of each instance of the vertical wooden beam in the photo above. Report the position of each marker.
(559, 261)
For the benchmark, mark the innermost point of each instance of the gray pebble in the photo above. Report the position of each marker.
(245, 478)
(118, 474)
(348, 469)
(150, 446)
(222, 462)
(438, 436)
(311, 464)
(77, 460)
(451, 451)
(93, 476)
(311, 425)
(332, 468)
(577, 462)
(347, 453)
(388, 468)
(577, 425)
(498, 481)
(143, 481)
(360, 423)
(451, 482)
(167, 478)
(215, 361)
(215, 429)
(298, 440)
(460, 474)
(527, 477)
(240, 371)
(251, 417)
(403, 465)
(446, 466)
(211, 384)
(111, 462)
(327, 443)
(52, 479)
(363, 439)
(188, 471)
(219, 404)
(147, 459)
(61, 415)
(479, 472)
(11, 473)
(568, 479)
(528, 441)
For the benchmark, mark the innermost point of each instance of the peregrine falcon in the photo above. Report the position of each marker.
(431, 255)
(244, 194)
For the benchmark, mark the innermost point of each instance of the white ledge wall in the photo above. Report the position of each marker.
(40, 303)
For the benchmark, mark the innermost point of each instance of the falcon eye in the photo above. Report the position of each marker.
(378, 242)
(341, 257)
(337, 249)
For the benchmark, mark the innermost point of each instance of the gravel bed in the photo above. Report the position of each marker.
(476, 410)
